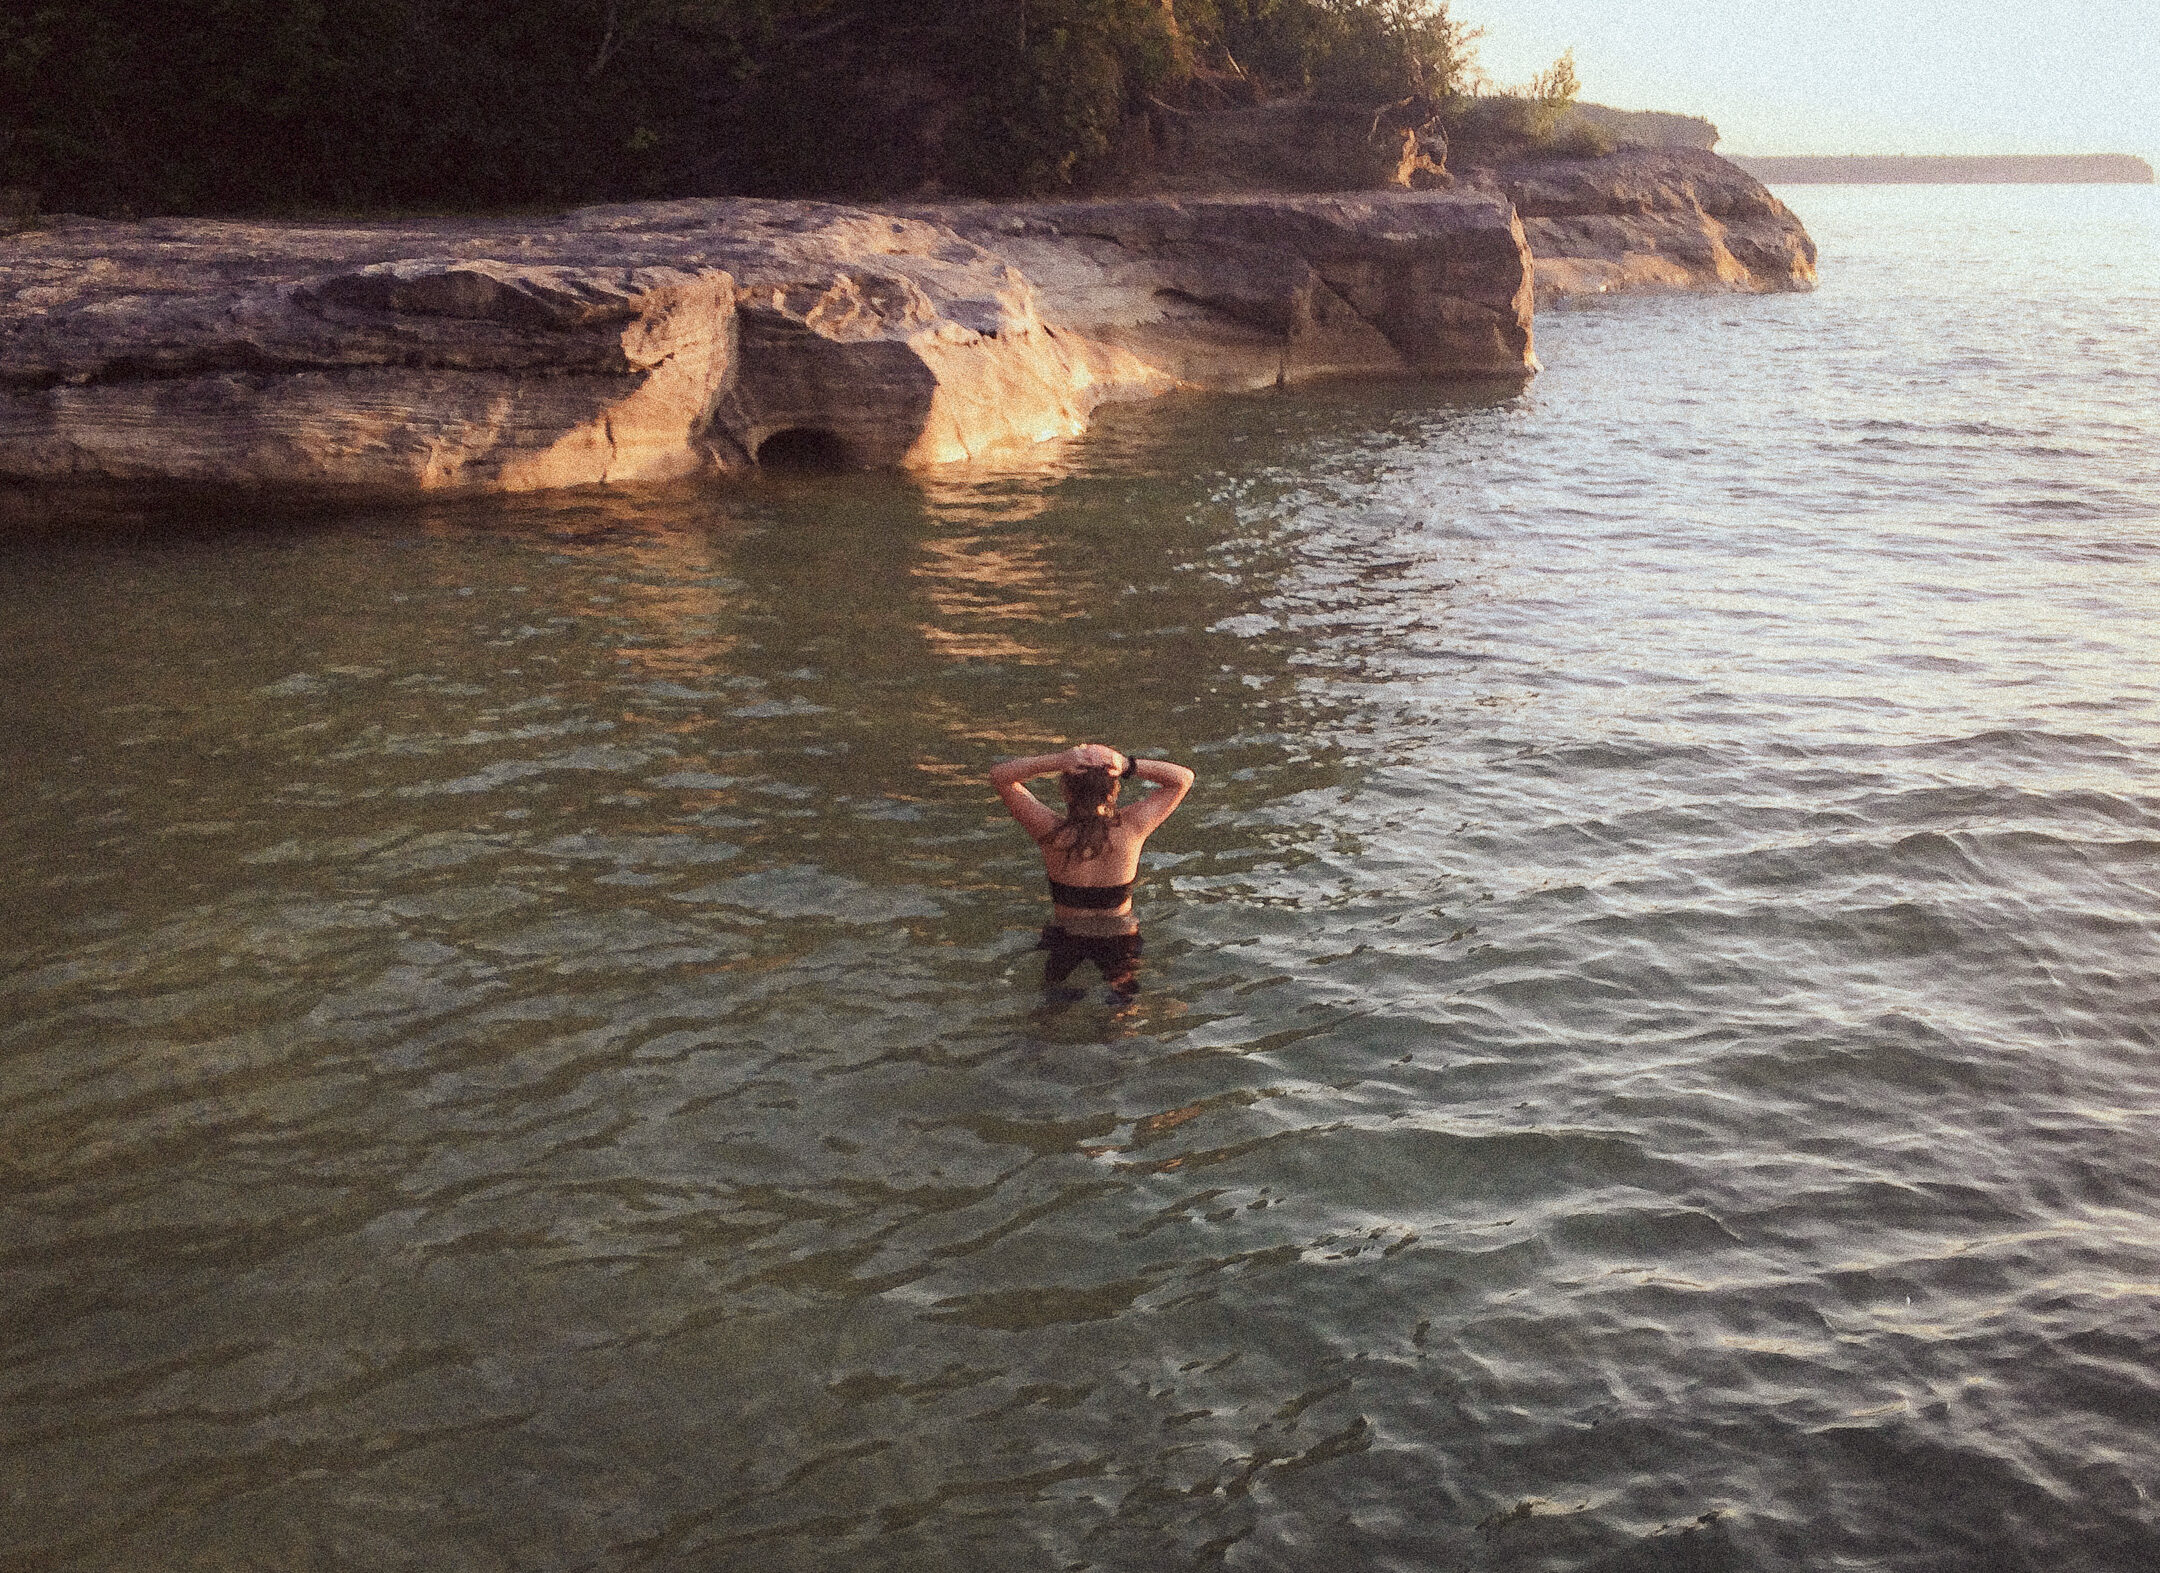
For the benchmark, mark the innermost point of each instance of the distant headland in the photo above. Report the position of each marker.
(2059, 169)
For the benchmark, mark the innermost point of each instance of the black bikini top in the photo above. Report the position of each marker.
(1091, 898)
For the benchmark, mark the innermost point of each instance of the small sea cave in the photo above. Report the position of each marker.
(805, 448)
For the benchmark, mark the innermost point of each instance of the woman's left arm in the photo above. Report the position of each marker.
(1170, 781)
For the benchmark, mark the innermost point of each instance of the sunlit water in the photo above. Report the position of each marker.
(522, 1048)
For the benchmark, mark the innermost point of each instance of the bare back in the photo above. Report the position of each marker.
(1117, 864)
(1118, 861)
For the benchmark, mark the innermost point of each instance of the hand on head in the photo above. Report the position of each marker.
(1097, 756)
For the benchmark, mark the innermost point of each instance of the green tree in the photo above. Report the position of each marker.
(236, 105)
(1369, 50)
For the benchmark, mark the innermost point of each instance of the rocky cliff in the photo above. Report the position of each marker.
(657, 340)
(1659, 211)
(1640, 127)
(1652, 219)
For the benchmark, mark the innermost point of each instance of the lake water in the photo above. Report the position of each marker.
(523, 1049)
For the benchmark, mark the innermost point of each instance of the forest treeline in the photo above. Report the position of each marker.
(294, 105)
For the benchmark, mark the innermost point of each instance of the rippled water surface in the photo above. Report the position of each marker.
(522, 1048)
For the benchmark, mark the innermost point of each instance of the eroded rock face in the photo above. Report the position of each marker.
(1669, 219)
(654, 340)
(897, 338)
(1236, 292)
(182, 356)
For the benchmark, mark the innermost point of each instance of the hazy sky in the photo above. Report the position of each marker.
(1857, 76)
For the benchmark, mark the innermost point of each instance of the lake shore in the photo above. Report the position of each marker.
(652, 341)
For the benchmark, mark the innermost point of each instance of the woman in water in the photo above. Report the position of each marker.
(1092, 852)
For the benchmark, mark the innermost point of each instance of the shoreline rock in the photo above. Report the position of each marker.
(1642, 220)
(648, 342)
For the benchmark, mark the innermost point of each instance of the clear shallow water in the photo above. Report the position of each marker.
(521, 1048)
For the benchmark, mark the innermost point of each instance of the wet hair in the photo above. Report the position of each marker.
(1090, 811)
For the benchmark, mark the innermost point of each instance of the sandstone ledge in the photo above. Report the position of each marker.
(650, 341)
(653, 341)
(1653, 220)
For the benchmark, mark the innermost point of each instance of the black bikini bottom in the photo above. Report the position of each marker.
(1116, 956)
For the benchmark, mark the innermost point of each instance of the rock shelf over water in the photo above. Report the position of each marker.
(651, 341)
(1654, 219)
